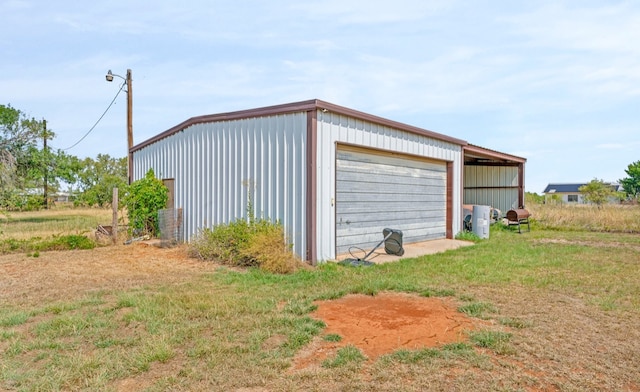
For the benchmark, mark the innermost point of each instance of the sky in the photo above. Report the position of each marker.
(555, 82)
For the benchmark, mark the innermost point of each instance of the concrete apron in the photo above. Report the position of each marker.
(410, 250)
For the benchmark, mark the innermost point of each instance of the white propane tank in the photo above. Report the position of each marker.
(480, 219)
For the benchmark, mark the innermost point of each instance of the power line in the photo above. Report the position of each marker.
(94, 125)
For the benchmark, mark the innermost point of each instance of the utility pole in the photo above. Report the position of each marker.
(129, 125)
(46, 166)
(128, 81)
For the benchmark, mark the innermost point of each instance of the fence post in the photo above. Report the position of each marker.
(114, 221)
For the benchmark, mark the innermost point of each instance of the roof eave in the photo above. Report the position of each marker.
(301, 106)
(492, 154)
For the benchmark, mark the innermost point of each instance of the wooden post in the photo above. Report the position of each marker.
(129, 125)
(46, 166)
(114, 221)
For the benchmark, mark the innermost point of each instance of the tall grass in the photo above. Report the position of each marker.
(613, 218)
(54, 222)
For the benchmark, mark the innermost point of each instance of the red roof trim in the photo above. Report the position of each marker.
(492, 154)
(302, 106)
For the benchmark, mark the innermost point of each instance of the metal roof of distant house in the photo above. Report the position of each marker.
(562, 188)
(575, 188)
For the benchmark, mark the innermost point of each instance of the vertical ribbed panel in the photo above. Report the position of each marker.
(219, 166)
(335, 128)
(495, 186)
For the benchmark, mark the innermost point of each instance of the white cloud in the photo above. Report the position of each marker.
(371, 12)
(611, 146)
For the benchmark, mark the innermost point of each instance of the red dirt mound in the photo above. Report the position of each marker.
(386, 322)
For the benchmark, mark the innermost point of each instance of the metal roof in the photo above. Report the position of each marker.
(563, 188)
(474, 154)
(575, 188)
(314, 104)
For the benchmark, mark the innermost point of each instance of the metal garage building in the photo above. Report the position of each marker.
(334, 177)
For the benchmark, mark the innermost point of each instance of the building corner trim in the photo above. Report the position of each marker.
(312, 151)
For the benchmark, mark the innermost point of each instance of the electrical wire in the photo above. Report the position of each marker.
(103, 114)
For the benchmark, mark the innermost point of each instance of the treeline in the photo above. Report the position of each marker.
(31, 172)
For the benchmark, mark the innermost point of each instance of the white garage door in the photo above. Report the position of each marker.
(375, 191)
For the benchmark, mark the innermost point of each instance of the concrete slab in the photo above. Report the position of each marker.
(410, 250)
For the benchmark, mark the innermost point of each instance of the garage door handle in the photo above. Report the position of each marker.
(348, 222)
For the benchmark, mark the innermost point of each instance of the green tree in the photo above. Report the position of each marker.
(533, 198)
(25, 166)
(631, 184)
(145, 197)
(18, 137)
(97, 178)
(597, 192)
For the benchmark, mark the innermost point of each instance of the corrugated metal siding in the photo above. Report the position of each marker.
(375, 191)
(217, 165)
(495, 186)
(336, 128)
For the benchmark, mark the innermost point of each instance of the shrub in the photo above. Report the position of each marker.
(35, 245)
(144, 199)
(223, 243)
(72, 241)
(254, 243)
(468, 236)
(269, 251)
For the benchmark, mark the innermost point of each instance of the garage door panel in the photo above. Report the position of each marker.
(356, 219)
(376, 191)
(387, 175)
(389, 198)
(431, 187)
(375, 160)
(424, 235)
(356, 230)
(366, 208)
(364, 238)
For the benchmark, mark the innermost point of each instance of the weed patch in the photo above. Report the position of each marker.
(448, 351)
(246, 243)
(332, 337)
(495, 340)
(13, 319)
(477, 309)
(468, 236)
(346, 356)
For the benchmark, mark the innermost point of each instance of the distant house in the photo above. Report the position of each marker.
(63, 197)
(570, 193)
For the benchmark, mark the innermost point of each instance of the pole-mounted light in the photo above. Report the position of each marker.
(109, 77)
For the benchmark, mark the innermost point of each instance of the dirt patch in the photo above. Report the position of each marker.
(68, 274)
(385, 323)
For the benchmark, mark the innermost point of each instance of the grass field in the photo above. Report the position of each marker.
(561, 311)
(47, 223)
(586, 217)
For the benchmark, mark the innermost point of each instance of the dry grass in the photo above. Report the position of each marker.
(272, 253)
(53, 222)
(609, 218)
(143, 318)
